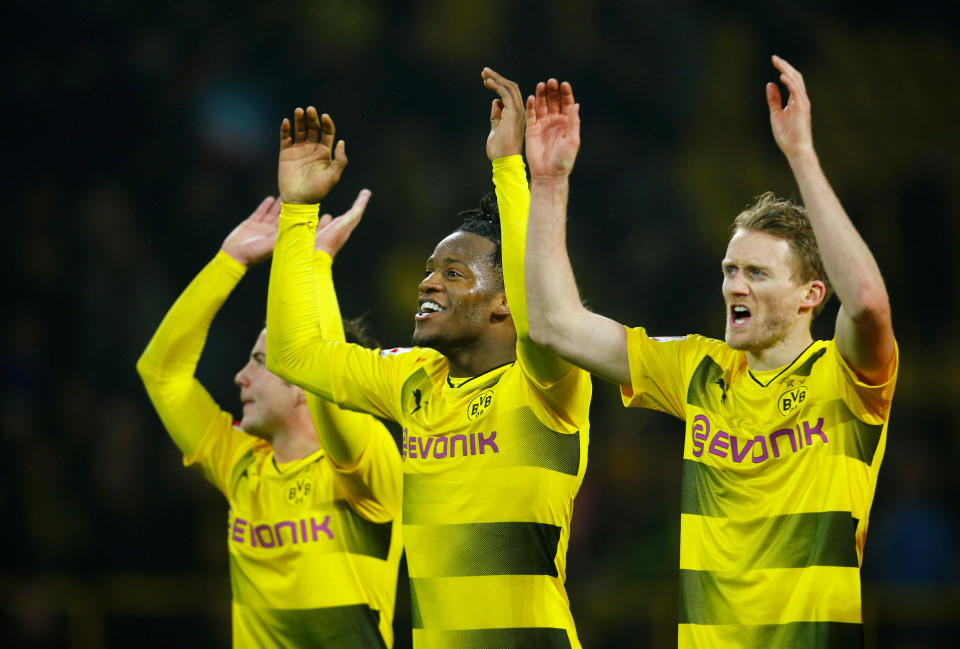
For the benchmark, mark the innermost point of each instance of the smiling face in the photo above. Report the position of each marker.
(461, 293)
(765, 305)
(269, 402)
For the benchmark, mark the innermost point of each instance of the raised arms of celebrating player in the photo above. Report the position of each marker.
(864, 329)
(307, 170)
(557, 319)
(504, 148)
(168, 364)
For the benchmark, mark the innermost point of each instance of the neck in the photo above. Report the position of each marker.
(295, 443)
(477, 360)
(780, 353)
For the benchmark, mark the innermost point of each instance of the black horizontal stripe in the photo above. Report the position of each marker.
(508, 638)
(344, 627)
(799, 635)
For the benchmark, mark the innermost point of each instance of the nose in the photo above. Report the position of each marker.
(241, 377)
(735, 284)
(431, 282)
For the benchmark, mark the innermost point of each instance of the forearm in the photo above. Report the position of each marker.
(850, 265)
(294, 338)
(557, 317)
(343, 434)
(168, 364)
(513, 201)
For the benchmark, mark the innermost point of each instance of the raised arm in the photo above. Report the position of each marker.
(296, 349)
(343, 434)
(504, 148)
(556, 317)
(864, 329)
(168, 364)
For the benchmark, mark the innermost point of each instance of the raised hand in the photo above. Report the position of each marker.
(553, 130)
(252, 241)
(506, 116)
(332, 233)
(309, 167)
(790, 124)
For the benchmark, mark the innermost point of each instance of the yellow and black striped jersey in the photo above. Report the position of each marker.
(492, 463)
(779, 472)
(314, 549)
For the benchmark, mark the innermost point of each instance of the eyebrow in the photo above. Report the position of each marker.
(447, 260)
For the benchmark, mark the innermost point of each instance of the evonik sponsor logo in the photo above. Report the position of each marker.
(265, 535)
(760, 448)
(442, 447)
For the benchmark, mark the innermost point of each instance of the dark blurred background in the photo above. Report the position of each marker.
(138, 134)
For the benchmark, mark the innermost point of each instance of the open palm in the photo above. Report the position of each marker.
(553, 130)
(791, 123)
(308, 168)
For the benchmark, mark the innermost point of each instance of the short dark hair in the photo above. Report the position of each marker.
(357, 330)
(484, 220)
(789, 221)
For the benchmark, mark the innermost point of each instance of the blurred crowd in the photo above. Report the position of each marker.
(138, 135)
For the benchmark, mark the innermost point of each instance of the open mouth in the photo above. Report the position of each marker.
(427, 309)
(739, 315)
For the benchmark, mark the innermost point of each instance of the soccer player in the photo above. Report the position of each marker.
(313, 541)
(784, 433)
(494, 427)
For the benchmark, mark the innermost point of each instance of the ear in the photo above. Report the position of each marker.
(816, 291)
(501, 310)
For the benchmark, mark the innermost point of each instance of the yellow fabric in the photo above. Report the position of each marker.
(513, 202)
(309, 545)
(779, 473)
(491, 464)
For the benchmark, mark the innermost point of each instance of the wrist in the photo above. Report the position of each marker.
(232, 260)
(548, 182)
(235, 255)
(801, 155)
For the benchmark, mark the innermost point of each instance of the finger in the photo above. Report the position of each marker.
(351, 217)
(797, 93)
(341, 156)
(541, 102)
(573, 132)
(327, 131)
(509, 91)
(566, 96)
(285, 140)
(273, 214)
(496, 111)
(786, 69)
(553, 96)
(324, 221)
(774, 100)
(262, 209)
(531, 109)
(299, 126)
(313, 124)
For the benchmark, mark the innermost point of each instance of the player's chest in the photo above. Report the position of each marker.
(753, 426)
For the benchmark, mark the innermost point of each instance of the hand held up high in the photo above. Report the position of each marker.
(309, 165)
(252, 241)
(507, 118)
(553, 131)
(791, 124)
(332, 233)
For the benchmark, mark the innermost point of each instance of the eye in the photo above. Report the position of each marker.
(452, 273)
(730, 271)
(756, 272)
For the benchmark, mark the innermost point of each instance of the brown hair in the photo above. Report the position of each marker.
(789, 221)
